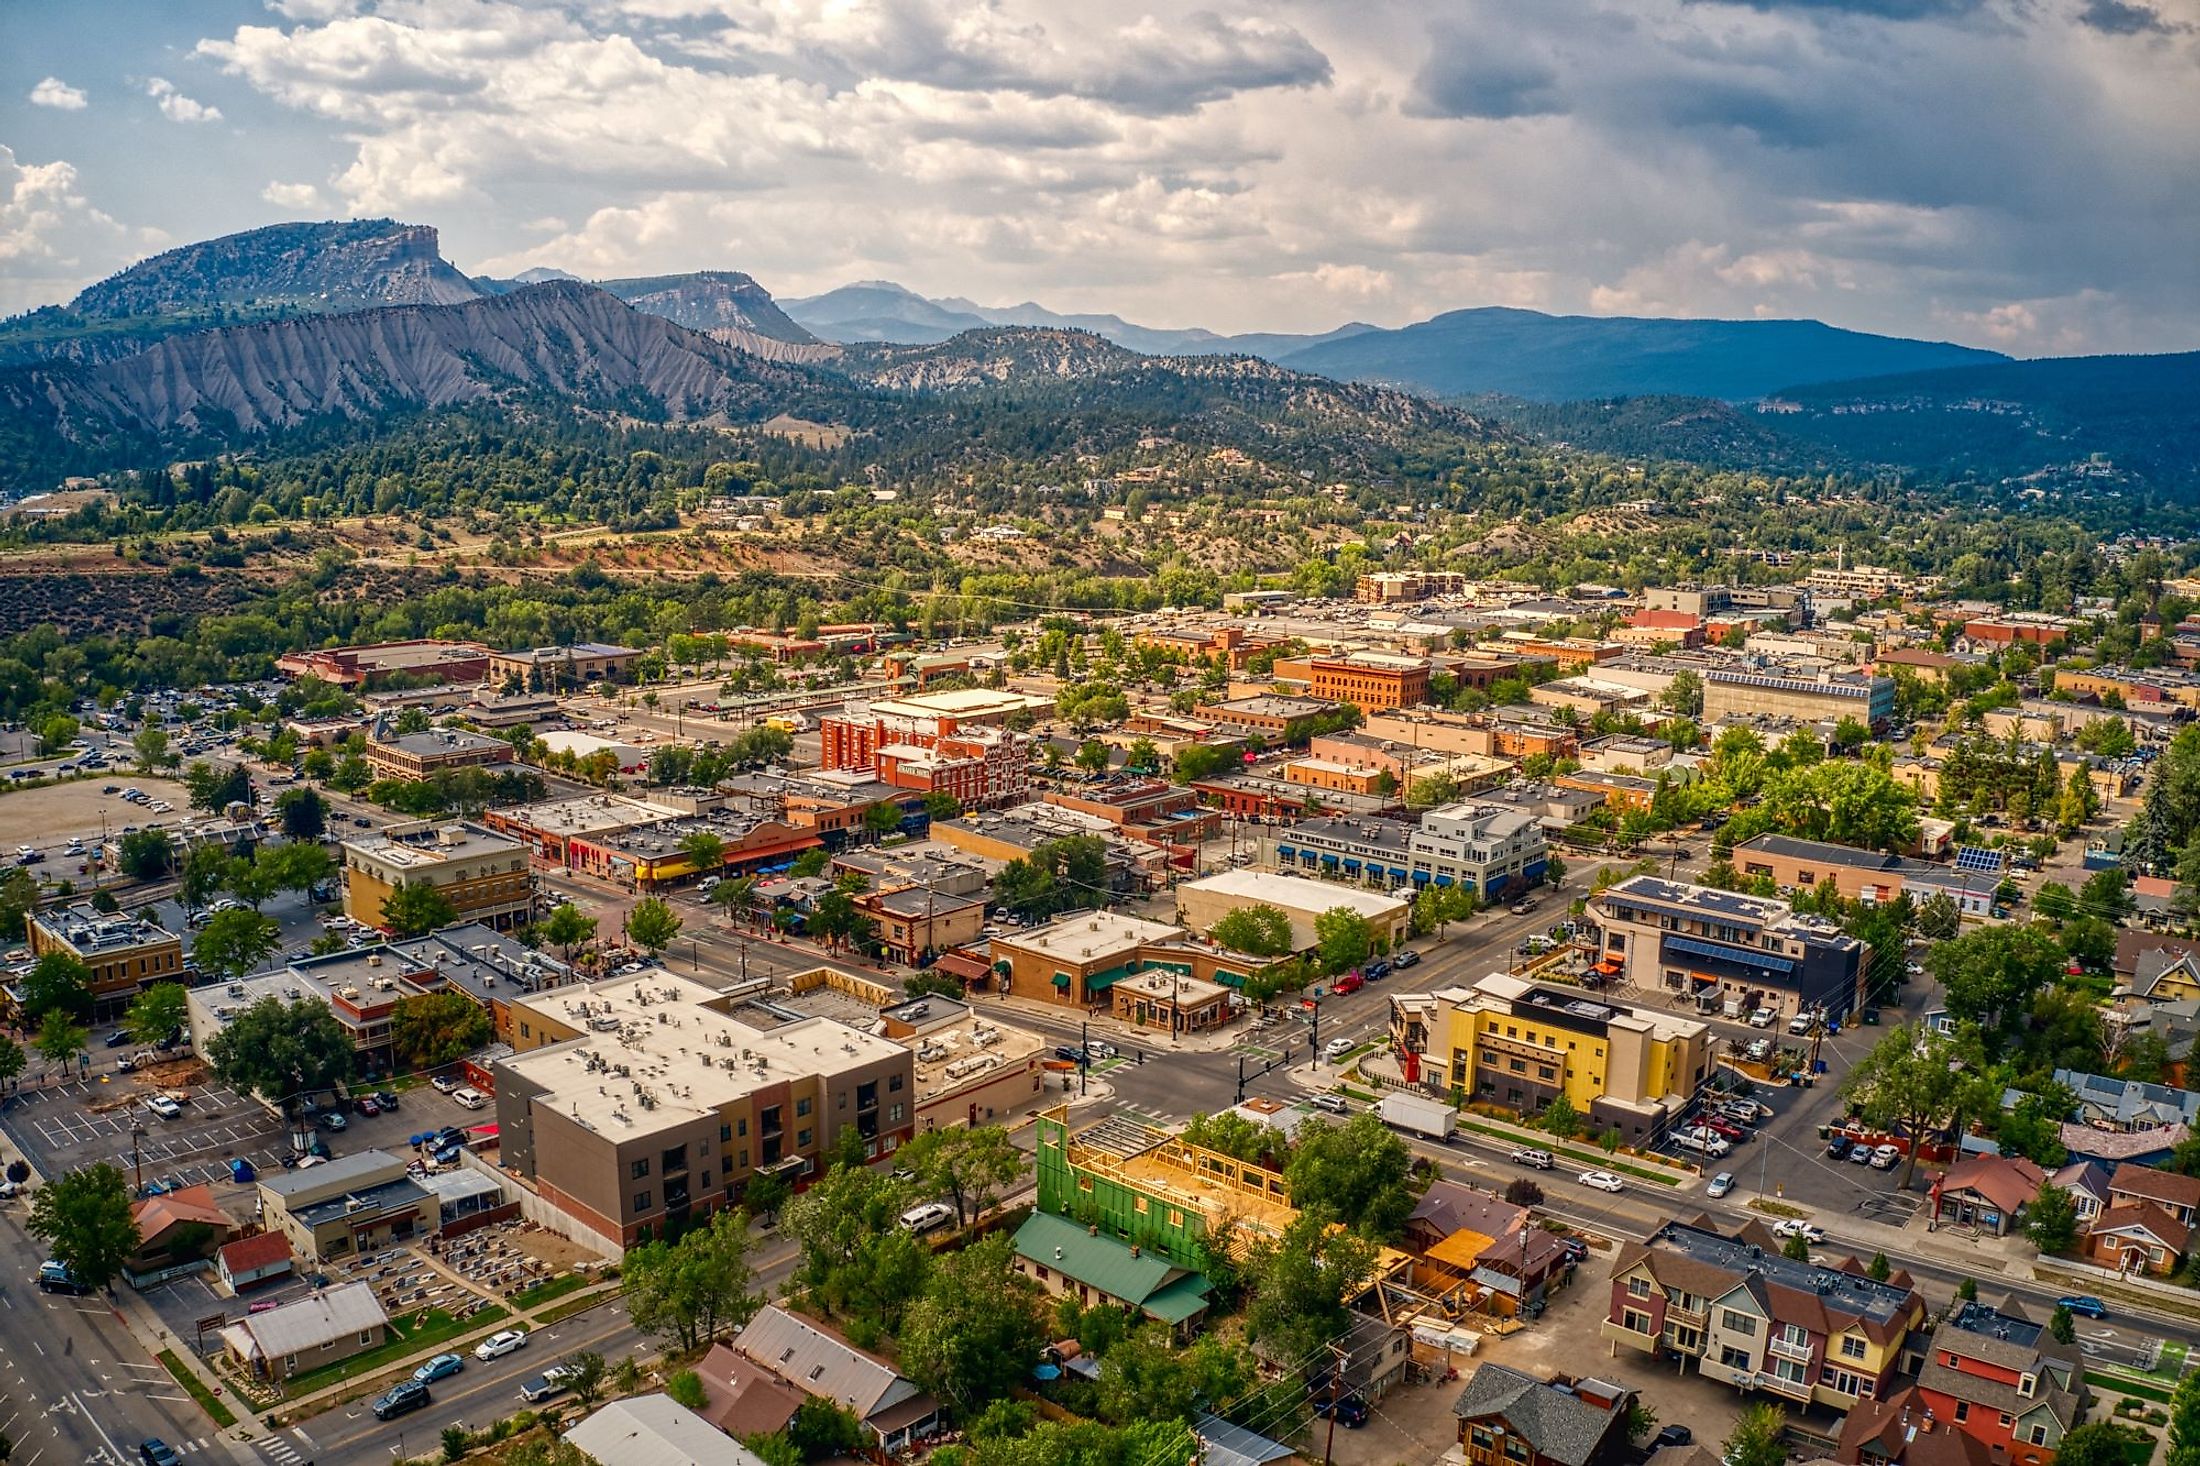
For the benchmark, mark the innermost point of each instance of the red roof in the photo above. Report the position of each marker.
(251, 1254)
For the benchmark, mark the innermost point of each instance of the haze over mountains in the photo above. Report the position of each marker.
(275, 328)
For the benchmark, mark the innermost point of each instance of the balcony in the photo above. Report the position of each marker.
(1678, 1312)
(1783, 1349)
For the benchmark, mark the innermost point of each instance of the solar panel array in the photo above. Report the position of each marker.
(1979, 858)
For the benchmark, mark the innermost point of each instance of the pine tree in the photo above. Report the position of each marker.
(2150, 840)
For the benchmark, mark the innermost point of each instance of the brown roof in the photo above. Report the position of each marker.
(1447, 1207)
(1901, 1429)
(2148, 1184)
(156, 1214)
(2008, 1182)
(2130, 943)
(2159, 1224)
(742, 1398)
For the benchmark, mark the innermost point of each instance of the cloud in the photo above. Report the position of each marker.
(58, 94)
(2117, 18)
(177, 107)
(292, 195)
(52, 240)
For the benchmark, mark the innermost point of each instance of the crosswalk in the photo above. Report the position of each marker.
(283, 1451)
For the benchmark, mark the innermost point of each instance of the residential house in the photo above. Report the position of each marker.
(1507, 1418)
(2005, 1381)
(251, 1261)
(1068, 1260)
(310, 1333)
(741, 1397)
(2121, 1147)
(2137, 1237)
(820, 1363)
(179, 1229)
(2175, 1194)
(655, 1430)
(1989, 1192)
(2087, 1182)
(2127, 1104)
(1757, 1319)
(1902, 1430)
(1450, 1207)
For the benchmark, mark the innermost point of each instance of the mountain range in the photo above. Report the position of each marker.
(261, 333)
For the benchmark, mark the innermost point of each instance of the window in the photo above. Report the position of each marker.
(1176, 1218)
(1963, 1411)
(2005, 1419)
(801, 1107)
(1737, 1323)
(638, 1169)
(2039, 1435)
(894, 1112)
(1634, 1321)
(741, 1126)
(1139, 1206)
(893, 1083)
(1735, 1359)
(641, 1201)
(1483, 1439)
(1638, 1287)
(802, 1139)
(1852, 1347)
(725, 1133)
(366, 1337)
(2026, 1384)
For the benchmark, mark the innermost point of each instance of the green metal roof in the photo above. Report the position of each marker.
(1108, 1265)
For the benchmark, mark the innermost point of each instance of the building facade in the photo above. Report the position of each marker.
(123, 954)
(1371, 680)
(1768, 692)
(482, 874)
(1721, 948)
(392, 755)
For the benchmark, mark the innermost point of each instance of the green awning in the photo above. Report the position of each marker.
(1100, 982)
(1061, 980)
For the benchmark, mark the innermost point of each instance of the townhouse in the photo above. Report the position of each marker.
(2003, 1380)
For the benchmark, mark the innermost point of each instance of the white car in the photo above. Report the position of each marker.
(163, 1106)
(1100, 1050)
(501, 1343)
(1800, 1023)
(928, 1217)
(1337, 1048)
(471, 1098)
(1793, 1228)
(1602, 1180)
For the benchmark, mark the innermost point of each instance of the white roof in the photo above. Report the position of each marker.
(656, 1430)
(1088, 935)
(333, 1314)
(1297, 893)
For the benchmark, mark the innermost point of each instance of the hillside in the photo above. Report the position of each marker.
(711, 300)
(1567, 358)
(991, 356)
(563, 341)
(281, 271)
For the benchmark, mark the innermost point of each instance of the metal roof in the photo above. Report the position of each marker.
(332, 1315)
(656, 1430)
(807, 1357)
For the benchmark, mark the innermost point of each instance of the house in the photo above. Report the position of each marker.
(1224, 1444)
(1095, 1268)
(1902, 1430)
(2137, 1237)
(2087, 1182)
(1469, 1238)
(1449, 1207)
(180, 1229)
(1516, 1272)
(741, 1397)
(1987, 1192)
(2175, 1194)
(2121, 1147)
(656, 1430)
(251, 1261)
(2004, 1380)
(2127, 1104)
(1507, 1418)
(806, 1355)
(317, 1330)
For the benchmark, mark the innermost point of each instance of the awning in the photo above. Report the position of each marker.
(1099, 982)
(1609, 965)
(1061, 980)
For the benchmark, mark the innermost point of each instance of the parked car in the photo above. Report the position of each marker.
(1886, 1157)
(501, 1343)
(153, 1451)
(1100, 1050)
(1795, 1228)
(1673, 1435)
(366, 1104)
(163, 1106)
(331, 1120)
(1860, 1155)
(386, 1100)
(118, 1038)
(54, 1277)
(1801, 1023)
(445, 1083)
(1350, 1411)
(1539, 1160)
(404, 1396)
(1376, 971)
(1337, 1048)
(928, 1217)
(2083, 1306)
(1725, 1129)
(1720, 1185)
(1838, 1147)
(1762, 1018)
(471, 1098)
(1069, 1053)
(1602, 1180)
(1351, 982)
(1703, 1141)
(440, 1367)
(552, 1381)
(1521, 908)
(1407, 958)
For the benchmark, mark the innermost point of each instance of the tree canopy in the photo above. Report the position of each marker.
(83, 1217)
(282, 1051)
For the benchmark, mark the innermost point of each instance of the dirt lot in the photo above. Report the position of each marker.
(550, 1249)
(49, 815)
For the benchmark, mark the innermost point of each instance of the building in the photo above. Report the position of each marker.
(354, 1205)
(177, 1230)
(655, 1430)
(393, 755)
(1172, 1002)
(1153, 810)
(1507, 1418)
(250, 1261)
(2177, 1195)
(1202, 903)
(315, 1331)
(916, 924)
(549, 828)
(1727, 950)
(1383, 587)
(1371, 680)
(821, 1364)
(1989, 1192)
(2137, 1237)
(1512, 1042)
(640, 1100)
(1275, 716)
(482, 874)
(583, 747)
(969, 1070)
(645, 857)
(1075, 960)
(1899, 1430)
(548, 668)
(123, 954)
(1769, 692)
(2005, 1381)
(1487, 848)
(1860, 875)
(953, 743)
(453, 663)
(1070, 1261)
(1758, 1320)
(742, 1398)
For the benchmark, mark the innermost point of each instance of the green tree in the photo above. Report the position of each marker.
(61, 1039)
(304, 814)
(157, 1012)
(1259, 930)
(1093, 756)
(18, 899)
(146, 855)
(1919, 1083)
(2061, 1326)
(299, 865)
(205, 872)
(1431, 791)
(213, 789)
(57, 983)
(415, 908)
(882, 819)
(282, 1051)
(1358, 1170)
(1796, 1248)
(1231, 1134)
(429, 1030)
(1197, 761)
(584, 1375)
(939, 805)
(568, 930)
(810, 863)
(151, 747)
(858, 1262)
(2102, 1443)
(1299, 1284)
(685, 1387)
(2184, 1422)
(1938, 917)
(1342, 938)
(83, 1217)
(1561, 1118)
(652, 925)
(1989, 975)
(13, 1061)
(973, 1335)
(233, 943)
(56, 732)
(2106, 895)
(2054, 900)
(705, 851)
(689, 1291)
(2052, 1221)
(1879, 1269)
(970, 1165)
(1757, 1438)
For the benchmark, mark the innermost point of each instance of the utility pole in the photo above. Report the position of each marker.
(1084, 1055)
(1336, 1378)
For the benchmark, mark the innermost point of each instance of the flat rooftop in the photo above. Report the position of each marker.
(1089, 935)
(1297, 893)
(431, 845)
(1837, 1290)
(969, 1050)
(93, 933)
(658, 1049)
(961, 702)
(588, 814)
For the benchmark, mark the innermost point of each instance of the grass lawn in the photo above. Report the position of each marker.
(411, 1334)
(572, 1306)
(2127, 1384)
(211, 1403)
(558, 1287)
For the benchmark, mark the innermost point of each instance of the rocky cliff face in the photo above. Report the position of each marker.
(1002, 356)
(338, 266)
(562, 339)
(712, 300)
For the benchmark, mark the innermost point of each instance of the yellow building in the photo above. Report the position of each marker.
(123, 954)
(1511, 1042)
(482, 874)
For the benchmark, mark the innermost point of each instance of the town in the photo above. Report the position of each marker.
(1449, 1019)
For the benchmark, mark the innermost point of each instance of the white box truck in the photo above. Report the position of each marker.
(1431, 1119)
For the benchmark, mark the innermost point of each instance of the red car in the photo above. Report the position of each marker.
(1351, 982)
(1726, 1129)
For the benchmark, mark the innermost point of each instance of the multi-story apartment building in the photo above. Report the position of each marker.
(1385, 586)
(1854, 582)
(2004, 1381)
(1774, 692)
(1726, 949)
(563, 666)
(1758, 1320)
(936, 742)
(1487, 848)
(641, 1100)
(481, 873)
(123, 954)
(1512, 1042)
(1371, 680)
(392, 755)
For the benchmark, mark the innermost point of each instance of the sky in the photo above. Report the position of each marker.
(2016, 174)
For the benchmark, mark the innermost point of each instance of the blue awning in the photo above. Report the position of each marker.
(1442, 879)
(1351, 864)
(1286, 852)
(1737, 956)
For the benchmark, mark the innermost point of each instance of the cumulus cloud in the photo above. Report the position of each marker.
(292, 195)
(52, 239)
(177, 107)
(58, 94)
